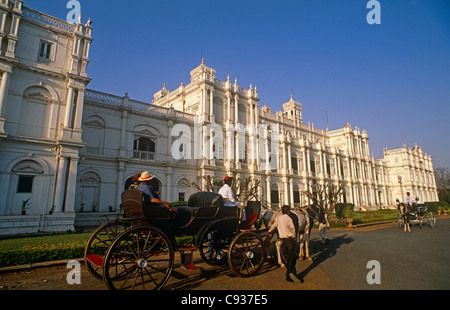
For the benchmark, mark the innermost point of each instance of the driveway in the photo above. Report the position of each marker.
(407, 261)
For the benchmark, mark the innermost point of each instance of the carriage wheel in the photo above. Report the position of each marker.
(100, 241)
(431, 220)
(246, 255)
(214, 246)
(141, 258)
(420, 220)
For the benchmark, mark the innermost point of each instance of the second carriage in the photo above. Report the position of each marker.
(138, 250)
(418, 215)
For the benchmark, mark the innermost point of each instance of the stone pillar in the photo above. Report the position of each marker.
(286, 191)
(69, 103)
(211, 104)
(119, 186)
(236, 109)
(71, 185)
(79, 110)
(291, 191)
(228, 106)
(3, 98)
(168, 194)
(269, 198)
(60, 185)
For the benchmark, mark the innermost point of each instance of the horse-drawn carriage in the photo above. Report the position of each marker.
(138, 250)
(418, 214)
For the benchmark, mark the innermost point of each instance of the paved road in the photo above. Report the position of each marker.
(408, 261)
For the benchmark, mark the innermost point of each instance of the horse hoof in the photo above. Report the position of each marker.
(283, 266)
(310, 259)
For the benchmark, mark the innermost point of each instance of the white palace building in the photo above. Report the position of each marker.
(67, 152)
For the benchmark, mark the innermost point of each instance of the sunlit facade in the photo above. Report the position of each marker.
(67, 152)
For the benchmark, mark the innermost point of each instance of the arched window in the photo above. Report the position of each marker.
(89, 193)
(35, 112)
(94, 134)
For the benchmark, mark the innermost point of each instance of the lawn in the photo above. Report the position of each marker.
(33, 249)
(54, 240)
(364, 217)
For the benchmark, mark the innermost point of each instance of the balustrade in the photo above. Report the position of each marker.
(33, 15)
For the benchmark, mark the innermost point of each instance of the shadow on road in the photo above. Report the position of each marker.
(320, 252)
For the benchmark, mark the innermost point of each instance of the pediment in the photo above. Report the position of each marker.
(28, 166)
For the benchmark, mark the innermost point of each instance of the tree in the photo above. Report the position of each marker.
(246, 188)
(324, 198)
(442, 176)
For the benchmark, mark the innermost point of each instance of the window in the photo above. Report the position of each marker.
(144, 148)
(294, 163)
(296, 197)
(313, 166)
(180, 196)
(25, 184)
(274, 196)
(45, 49)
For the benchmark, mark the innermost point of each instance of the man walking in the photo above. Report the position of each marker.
(286, 232)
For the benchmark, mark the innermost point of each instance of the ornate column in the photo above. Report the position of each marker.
(3, 98)
(119, 185)
(291, 191)
(211, 106)
(71, 185)
(228, 95)
(79, 110)
(69, 104)
(60, 185)
(268, 198)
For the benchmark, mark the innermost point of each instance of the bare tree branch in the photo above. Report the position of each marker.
(325, 197)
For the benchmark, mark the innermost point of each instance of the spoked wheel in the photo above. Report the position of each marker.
(431, 220)
(214, 239)
(420, 221)
(100, 241)
(214, 246)
(246, 255)
(140, 258)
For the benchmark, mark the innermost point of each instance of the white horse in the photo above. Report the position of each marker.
(303, 232)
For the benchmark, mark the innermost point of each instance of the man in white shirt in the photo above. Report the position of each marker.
(228, 196)
(227, 192)
(408, 199)
(286, 232)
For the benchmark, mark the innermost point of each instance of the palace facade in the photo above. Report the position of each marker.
(67, 152)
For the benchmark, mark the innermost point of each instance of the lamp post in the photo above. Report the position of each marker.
(401, 187)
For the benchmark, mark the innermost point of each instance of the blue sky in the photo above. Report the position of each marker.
(391, 79)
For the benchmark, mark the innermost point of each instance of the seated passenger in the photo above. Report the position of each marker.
(134, 181)
(228, 196)
(145, 187)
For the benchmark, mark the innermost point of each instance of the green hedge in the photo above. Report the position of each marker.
(435, 206)
(50, 252)
(343, 210)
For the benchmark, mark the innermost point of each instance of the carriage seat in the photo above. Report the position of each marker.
(201, 208)
(135, 204)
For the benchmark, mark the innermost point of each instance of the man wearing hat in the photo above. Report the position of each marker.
(228, 196)
(144, 186)
(227, 192)
(408, 199)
